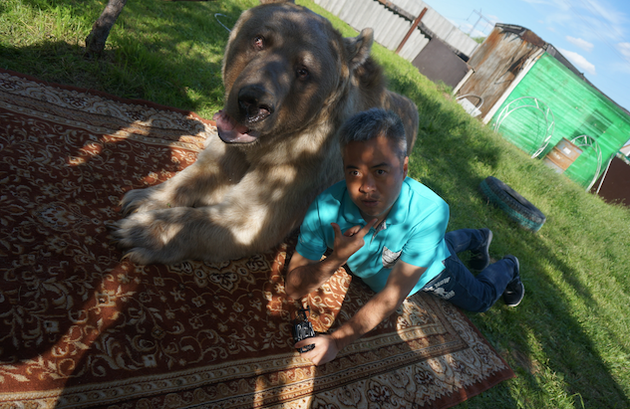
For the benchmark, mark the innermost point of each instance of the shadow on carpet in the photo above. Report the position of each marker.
(83, 329)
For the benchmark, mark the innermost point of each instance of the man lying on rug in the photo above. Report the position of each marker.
(401, 250)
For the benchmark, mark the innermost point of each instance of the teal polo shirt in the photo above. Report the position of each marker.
(412, 232)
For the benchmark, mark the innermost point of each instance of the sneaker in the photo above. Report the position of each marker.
(480, 258)
(515, 290)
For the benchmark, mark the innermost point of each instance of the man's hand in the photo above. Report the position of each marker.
(325, 349)
(400, 282)
(350, 241)
(305, 276)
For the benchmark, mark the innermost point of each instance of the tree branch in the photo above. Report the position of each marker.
(95, 41)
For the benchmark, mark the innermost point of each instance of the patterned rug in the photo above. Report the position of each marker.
(81, 328)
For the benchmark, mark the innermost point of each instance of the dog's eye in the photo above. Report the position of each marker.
(302, 73)
(259, 42)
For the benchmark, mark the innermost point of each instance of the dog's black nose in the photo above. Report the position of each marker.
(252, 101)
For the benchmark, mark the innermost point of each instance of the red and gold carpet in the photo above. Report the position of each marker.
(82, 329)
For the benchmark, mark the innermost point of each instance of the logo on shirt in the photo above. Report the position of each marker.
(390, 258)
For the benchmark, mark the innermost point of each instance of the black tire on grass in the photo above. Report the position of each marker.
(511, 202)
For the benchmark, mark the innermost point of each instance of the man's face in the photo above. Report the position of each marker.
(374, 176)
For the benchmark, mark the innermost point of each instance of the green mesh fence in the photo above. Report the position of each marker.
(552, 103)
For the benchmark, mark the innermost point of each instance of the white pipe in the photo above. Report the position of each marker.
(463, 81)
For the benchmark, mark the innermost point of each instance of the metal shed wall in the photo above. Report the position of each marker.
(438, 63)
(616, 185)
(390, 28)
(578, 109)
(498, 61)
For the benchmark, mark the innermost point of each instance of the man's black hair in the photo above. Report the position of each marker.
(372, 123)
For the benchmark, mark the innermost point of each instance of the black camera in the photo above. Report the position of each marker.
(302, 329)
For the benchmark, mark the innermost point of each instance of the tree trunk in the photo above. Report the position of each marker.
(95, 41)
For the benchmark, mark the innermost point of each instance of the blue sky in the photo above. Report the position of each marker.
(593, 34)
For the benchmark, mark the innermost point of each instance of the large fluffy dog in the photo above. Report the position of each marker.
(290, 81)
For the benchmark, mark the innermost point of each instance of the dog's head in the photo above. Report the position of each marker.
(283, 66)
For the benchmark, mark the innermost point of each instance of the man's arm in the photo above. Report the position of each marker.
(305, 275)
(399, 283)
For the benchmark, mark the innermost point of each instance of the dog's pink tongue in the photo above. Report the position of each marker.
(226, 123)
(231, 132)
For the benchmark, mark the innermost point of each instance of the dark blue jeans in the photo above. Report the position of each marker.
(459, 286)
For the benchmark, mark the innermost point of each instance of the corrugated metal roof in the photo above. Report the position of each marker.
(391, 20)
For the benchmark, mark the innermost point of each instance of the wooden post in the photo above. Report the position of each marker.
(413, 27)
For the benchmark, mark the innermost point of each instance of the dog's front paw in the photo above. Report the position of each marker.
(148, 238)
(134, 200)
(144, 200)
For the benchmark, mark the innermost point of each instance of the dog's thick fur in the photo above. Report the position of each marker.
(290, 81)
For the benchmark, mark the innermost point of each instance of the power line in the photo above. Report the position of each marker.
(481, 17)
(604, 21)
(595, 10)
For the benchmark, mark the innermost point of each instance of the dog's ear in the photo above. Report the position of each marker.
(358, 48)
(276, 1)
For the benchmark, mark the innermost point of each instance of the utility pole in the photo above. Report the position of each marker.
(481, 17)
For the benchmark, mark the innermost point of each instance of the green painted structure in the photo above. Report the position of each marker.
(538, 98)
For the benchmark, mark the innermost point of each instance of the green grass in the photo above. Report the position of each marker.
(568, 341)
